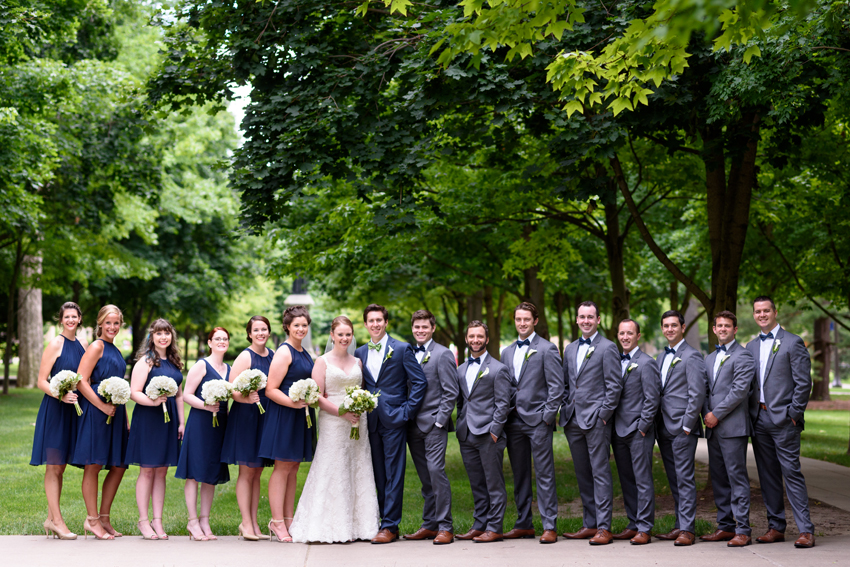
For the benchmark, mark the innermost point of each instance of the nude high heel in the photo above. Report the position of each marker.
(273, 534)
(110, 530)
(208, 536)
(246, 536)
(162, 535)
(193, 536)
(49, 526)
(153, 535)
(88, 527)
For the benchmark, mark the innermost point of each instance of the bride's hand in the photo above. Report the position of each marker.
(352, 418)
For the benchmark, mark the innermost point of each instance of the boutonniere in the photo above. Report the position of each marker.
(676, 361)
(389, 354)
(481, 374)
(631, 367)
(427, 357)
(724, 359)
(776, 344)
(589, 352)
(529, 353)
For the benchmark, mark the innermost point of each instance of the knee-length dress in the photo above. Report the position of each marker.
(286, 436)
(245, 424)
(200, 455)
(98, 442)
(57, 422)
(153, 442)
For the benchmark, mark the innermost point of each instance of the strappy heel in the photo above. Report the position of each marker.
(109, 529)
(162, 535)
(246, 536)
(273, 534)
(208, 536)
(193, 536)
(88, 527)
(153, 535)
(49, 527)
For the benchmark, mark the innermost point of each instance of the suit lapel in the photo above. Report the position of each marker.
(462, 372)
(428, 352)
(508, 357)
(586, 360)
(482, 368)
(384, 361)
(771, 356)
(634, 360)
(532, 346)
(363, 354)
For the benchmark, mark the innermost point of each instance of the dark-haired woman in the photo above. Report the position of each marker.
(245, 429)
(200, 455)
(56, 424)
(154, 443)
(286, 438)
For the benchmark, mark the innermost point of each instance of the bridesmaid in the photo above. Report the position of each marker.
(100, 444)
(154, 444)
(57, 421)
(245, 429)
(200, 455)
(286, 438)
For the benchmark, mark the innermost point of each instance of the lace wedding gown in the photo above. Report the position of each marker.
(339, 502)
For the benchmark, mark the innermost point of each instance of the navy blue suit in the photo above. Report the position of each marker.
(402, 385)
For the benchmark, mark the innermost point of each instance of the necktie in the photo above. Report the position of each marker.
(669, 350)
(418, 349)
(624, 356)
(373, 346)
(583, 341)
(767, 336)
(471, 360)
(720, 347)
(524, 342)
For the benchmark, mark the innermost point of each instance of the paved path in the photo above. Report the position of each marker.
(32, 551)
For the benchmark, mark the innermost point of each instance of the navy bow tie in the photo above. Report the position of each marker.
(418, 349)
(522, 343)
(720, 347)
(624, 356)
(669, 350)
(471, 360)
(583, 341)
(767, 336)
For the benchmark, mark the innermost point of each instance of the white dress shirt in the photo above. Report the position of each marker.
(719, 358)
(668, 359)
(624, 362)
(764, 355)
(420, 355)
(472, 372)
(582, 351)
(375, 358)
(519, 355)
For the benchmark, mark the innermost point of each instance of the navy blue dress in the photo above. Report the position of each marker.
(245, 424)
(286, 436)
(99, 443)
(200, 455)
(57, 422)
(153, 442)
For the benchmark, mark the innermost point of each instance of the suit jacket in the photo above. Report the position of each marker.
(728, 392)
(539, 386)
(440, 370)
(593, 392)
(484, 409)
(401, 383)
(787, 379)
(683, 394)
(641, 396)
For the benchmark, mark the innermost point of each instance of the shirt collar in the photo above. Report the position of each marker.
(775, 330)
(729, 345)
(530, 337)
(383, 341)
(484, 357)
(592, 337)
(676, 347)
(428, 344)
(634, 350)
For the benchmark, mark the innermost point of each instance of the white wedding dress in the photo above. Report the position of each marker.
(339, 502)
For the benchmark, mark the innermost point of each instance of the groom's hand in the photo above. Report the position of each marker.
(495, 439)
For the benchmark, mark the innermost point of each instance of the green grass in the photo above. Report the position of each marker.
(25, 507)
(826, 436)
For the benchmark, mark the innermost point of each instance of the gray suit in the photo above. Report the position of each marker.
(481, 412)
(776, 440)
(539, 390)
(633, 451)
(591, 395)
(428, 443)
(682, 399)
(728, 391)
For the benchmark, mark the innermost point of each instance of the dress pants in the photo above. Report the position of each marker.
(678, 453)
(633, 454)
(389, 459)
(428, 451)
(483, 461)
(727, 464)
(524, 443)
(590, 450)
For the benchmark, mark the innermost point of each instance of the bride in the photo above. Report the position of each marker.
(339, 502)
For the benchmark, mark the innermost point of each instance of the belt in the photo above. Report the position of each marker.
(762, 406)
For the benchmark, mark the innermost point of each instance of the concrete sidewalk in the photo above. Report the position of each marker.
(827, 482)
(179, 551)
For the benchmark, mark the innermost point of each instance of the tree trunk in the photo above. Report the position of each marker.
(559, 305)
(614, 247)
(136, 328)
(574, 332)
(494, 323)
(535, 292)
(10, 314)
(475, 306)
(820, 387)
(187, 333)
(461, 327)
(836, 374)
(201, 346)
(30, 323)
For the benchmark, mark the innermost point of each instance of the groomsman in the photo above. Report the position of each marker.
(731, 371)
(634, 433)
(427, 435)
(683, 388)
(593, 384)
(779, 399)
(483, 405)
(535, 369)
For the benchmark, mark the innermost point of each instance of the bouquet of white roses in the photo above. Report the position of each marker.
(251, 380)
(216, 391)
(306, 390)
(115, 391)
(161, 386)
(359, 401)
(63, 382)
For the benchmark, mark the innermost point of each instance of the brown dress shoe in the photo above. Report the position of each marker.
(805, 540)
(670, 536)
(685, 538)
(740, 540)
(602, 537)
(771, 536)
(584, 533)
(488, 537)
(444, 537)
(626, 534)
(470, 534)
(421, 533)
(718, 535)
(517, 533)
(385, 536)
(641, 539)
(549, 536)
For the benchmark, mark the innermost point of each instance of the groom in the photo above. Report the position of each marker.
(389, 367)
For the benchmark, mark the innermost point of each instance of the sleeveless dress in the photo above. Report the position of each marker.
(286, 436)
(153, 442)
(57, 422)
(245, 424)
(99, 443)
(339, 501)
(200, 455)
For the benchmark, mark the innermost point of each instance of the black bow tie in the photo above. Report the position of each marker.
(767, 336)
(583, 341)
(418, 349)
(669, 350)
(720, 347)
(522, 343)
(624, 356)
(471, 360)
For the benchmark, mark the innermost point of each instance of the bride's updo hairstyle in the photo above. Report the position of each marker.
(340, 321)
(293, 312)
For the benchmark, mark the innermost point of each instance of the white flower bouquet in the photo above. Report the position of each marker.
(359, 401)
(216, 391)
(251, 380)
(115, 391)
(161, 386)
(63, 382)
(308, 391)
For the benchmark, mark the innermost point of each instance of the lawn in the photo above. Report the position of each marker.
(25, 506)
(826, 436)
